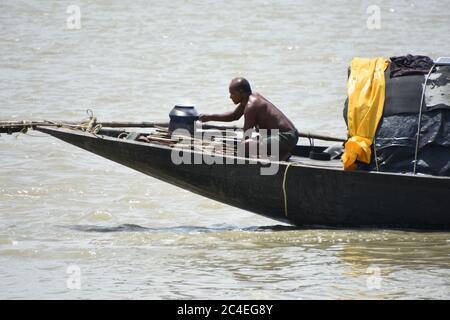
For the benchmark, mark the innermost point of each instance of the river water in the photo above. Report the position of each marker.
(77, 226)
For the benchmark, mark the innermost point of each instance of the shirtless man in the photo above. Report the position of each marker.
(258, 113)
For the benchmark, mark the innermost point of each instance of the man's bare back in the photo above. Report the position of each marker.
(263, 114)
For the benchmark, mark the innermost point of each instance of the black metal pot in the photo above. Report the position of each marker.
(183, 117)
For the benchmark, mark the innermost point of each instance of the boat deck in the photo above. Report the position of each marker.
(223, 143)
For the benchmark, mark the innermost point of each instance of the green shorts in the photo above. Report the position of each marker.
(286, 141)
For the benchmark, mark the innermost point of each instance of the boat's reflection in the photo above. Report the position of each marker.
(358, 250)
(181, 229)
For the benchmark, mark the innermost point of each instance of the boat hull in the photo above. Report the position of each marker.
(316, 196)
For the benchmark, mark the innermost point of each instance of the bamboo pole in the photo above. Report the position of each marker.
(308, 135)
(17, 126)
(107, 124)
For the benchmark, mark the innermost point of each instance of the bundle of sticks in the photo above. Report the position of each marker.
(215, 145)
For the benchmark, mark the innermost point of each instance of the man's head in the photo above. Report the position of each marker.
(239, 90)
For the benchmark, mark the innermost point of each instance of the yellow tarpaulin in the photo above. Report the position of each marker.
(366, 93)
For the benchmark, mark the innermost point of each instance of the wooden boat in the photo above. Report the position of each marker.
(304, 192)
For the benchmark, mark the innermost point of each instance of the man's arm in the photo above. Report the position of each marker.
(225, 117)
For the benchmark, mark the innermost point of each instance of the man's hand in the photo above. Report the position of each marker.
(204, 118)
